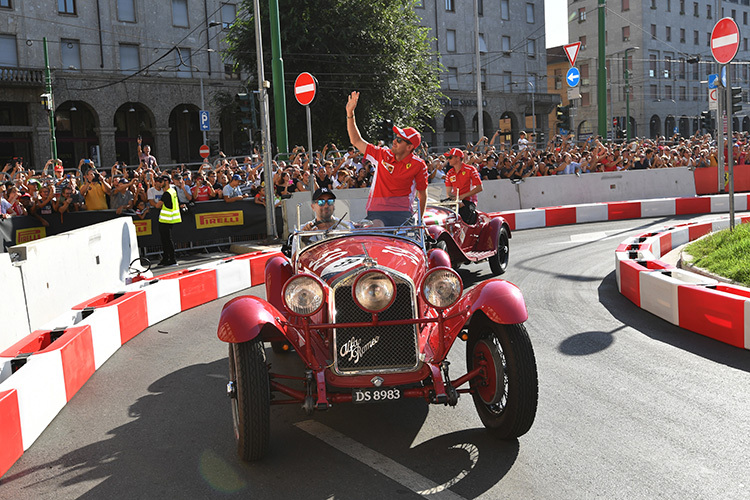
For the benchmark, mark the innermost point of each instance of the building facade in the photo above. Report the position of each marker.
(669, 57)
(120, 69)
(513, 68)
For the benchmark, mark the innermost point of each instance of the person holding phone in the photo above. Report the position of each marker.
(95, 189)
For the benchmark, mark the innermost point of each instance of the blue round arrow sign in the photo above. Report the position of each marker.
(573, 77)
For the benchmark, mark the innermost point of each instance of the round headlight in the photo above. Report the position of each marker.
(374, 291)
(442, 287)
(303, 295)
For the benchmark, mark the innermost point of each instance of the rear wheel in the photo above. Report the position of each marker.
(506, 393)
(499, 261)
(251, 398)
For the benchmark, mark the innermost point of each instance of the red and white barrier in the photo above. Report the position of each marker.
(691, 301)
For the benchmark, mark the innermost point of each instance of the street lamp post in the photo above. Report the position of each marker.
(628, 134)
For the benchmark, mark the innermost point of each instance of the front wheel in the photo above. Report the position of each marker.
(442, 245)
(506, 392)
(251, 398)
(499, 261)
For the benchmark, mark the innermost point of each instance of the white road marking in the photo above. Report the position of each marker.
(384, 465)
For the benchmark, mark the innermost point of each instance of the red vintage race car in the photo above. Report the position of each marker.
(487, 239)
(373, 314)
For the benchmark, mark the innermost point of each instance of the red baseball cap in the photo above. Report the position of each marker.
(455, 152)
(58, 167)
(410, 134)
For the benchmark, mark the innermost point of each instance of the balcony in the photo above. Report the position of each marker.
(22, 77)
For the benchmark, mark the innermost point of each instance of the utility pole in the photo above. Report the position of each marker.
(277, 67)
(50, 102)
(480, 110)
(601, 84)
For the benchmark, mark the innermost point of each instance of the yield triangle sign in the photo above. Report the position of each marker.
(571, 50)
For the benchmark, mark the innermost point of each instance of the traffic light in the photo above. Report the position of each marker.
(246, 105)
(736, 99)
(563, 117)
(47, 102)
(213, 147)
(705, 121)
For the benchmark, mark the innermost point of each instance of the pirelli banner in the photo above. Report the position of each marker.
(207, 222)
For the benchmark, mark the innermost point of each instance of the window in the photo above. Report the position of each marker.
(681, 67)
(504, 10)
(625, 33)
(708, 11)
(70, 51)
(669, 33)
(507, 79)
(696, 72)
(531, 47)
(450, 6)
(482, 44)
(683, 94)
(625, 5)
(450, 40)
(682, 7)
(669, 5)
(558, 79)
(582, 39)
(228, 14)
(129, 59)
(744, 18)
(667, 66)
(530, 13)
(483, 75)
(452, 78)
(8, 52)
(419, 4)
(653, 4)
(744, 44)
(480, 7)
(183, 63)
(66, 6)
(584, 74)
(696, 37)
(581, 14)
(585, 99)
(180, 13)
(682, 35)
(696, 8)
(653, 32)
(653, 65)
(506, 44)
(708, 38)
(126, 11)
(696, 94)
(654, 91)
(5, 4)
(734, 13)
(231, 72)
(668, 92)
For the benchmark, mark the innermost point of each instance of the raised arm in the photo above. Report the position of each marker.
(351, 123)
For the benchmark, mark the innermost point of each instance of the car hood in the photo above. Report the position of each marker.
(332, 258)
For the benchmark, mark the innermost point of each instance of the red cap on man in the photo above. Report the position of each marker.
(410, 134)
(455, 152)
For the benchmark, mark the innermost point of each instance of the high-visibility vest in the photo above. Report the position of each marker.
(170, 215)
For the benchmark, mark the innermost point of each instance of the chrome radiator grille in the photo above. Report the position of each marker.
(375, 348)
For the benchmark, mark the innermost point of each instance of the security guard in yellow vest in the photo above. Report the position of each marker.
(168, 216)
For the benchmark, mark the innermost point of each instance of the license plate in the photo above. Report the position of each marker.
(375, 395)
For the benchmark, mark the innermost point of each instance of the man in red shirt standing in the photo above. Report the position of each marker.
(463, 182)
(399, 174)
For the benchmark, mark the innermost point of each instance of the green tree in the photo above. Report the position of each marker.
(376, 47)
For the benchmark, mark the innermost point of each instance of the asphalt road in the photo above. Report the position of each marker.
(630, 406)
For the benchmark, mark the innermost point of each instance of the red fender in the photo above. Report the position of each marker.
(278, 271)
(438, 258)
(244, 318)
(500, 300)
(488, 237)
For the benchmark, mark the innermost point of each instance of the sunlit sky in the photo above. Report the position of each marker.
(556, 22)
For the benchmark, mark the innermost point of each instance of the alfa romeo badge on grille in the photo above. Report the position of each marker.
(354, 350)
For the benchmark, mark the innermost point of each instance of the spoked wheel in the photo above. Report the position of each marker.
(499, 261)
(250, 390)
(442, 245)
(506, 393)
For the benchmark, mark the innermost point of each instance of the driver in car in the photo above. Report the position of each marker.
(323, 205)
(463, 182)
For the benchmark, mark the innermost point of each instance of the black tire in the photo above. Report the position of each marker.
(251, 404)
(499, 261)
(442, 245)
(508, 409)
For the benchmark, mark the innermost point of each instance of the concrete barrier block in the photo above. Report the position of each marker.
(719, 203)
(40, 385)
(657, 208)
(258, 266)
(132, 315)
(13, 306)
(630, 279)
(197, 286)
(659, 291)
(594, 212)
(697, 230)
(10, 430)
(232, 275)
(105, 331)
(717, 312)
(680, 236)
(620, 210)
(528, 219)
(695, 205)
(558, 216)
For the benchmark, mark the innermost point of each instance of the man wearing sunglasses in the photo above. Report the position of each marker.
(323, 205)
(399, 174)
(463, 182)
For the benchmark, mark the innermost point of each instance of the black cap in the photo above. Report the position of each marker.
(321, 191)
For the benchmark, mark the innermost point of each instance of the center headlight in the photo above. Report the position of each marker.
(303, 295)
(374, 291)
(442, 287)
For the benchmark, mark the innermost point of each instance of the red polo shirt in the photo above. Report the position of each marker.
(465, 180)
(395, 183)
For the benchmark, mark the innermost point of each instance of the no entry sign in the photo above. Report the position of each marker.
(204, 151)
(725, 40)
(304, 88)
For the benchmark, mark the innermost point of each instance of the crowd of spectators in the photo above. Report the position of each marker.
(137, 189)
